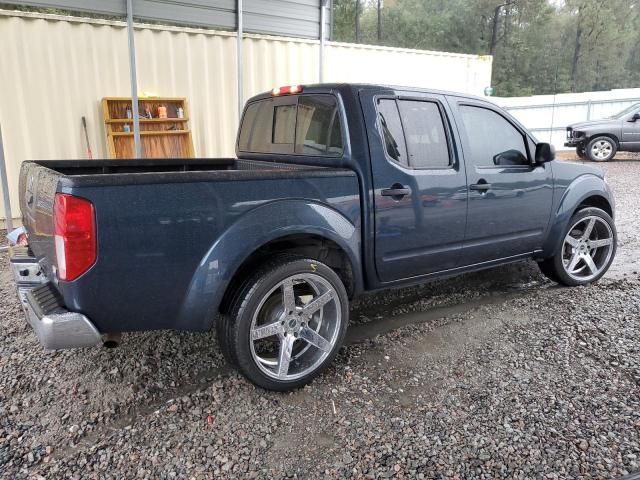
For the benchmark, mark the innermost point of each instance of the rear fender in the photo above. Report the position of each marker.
(576, 193)
(253, 230)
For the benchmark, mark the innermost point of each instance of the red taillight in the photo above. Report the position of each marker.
(289, 89)
(75, 235)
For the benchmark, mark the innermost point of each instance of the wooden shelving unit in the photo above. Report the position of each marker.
(160, 137)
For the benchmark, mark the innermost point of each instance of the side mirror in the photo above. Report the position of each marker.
(635, 117)
(545, 152)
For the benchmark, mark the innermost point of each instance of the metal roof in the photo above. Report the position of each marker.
(299, 18)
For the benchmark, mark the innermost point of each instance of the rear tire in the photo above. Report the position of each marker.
(601, 149)
(587, 249)
(286, 323)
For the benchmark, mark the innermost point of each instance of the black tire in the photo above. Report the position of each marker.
(234, 328)
(554, 267)
(608, 145)
(580, 153)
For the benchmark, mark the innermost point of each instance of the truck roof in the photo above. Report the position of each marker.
(342, 87)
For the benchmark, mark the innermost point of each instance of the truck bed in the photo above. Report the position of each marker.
(158, 222)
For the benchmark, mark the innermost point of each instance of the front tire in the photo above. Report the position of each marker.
(286, 323)
(587, 249)
(601, 149)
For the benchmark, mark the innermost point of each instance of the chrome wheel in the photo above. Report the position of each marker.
(587, 248)
(602, 150)
(295, 327)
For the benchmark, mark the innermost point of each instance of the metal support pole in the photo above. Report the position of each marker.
(323, 21)
(134, 81)
(5, 188)
(239, 65)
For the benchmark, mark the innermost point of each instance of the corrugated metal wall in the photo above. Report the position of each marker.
(299, 18)
(56, 69)
(548, 116)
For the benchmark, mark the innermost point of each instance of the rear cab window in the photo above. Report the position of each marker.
(296, 125)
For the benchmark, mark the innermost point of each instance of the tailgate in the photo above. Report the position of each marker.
(38, 186)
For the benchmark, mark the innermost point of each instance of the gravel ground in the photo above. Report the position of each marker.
(499, 374)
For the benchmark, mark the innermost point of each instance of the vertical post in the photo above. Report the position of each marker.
(323, 21)
(240, 69)
(134, 81)
(589, 104)
(5, 188)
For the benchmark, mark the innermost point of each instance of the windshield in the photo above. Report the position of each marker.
(626, 111)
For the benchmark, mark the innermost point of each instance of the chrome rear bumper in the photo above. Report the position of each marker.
(55, 326)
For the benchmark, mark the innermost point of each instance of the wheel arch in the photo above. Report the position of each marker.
(314, 246)
(596, 201)
(585, 191)
(300, 227)
(610, 135)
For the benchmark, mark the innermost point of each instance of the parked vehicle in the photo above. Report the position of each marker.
(336, 190)
(600, 140)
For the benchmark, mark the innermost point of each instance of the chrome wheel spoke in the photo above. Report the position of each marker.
(589, 229)
(284, 356)
(590, 263)
(599, 243)
(573, 262)
(317, 303)
(572, 241)
(288, 297)
(315, 339)
(264, 331)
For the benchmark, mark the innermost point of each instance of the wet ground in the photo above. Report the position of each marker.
(496, 374)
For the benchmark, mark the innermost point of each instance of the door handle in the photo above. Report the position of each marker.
(396, 191)
(481, 186)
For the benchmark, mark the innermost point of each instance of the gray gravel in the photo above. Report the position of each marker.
(499, 374)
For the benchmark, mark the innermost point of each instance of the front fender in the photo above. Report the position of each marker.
(583, 187)
(253, 230)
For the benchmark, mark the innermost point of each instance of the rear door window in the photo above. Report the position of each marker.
(424, 131)
(306, 125)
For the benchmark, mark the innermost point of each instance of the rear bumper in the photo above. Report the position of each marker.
(55, 326)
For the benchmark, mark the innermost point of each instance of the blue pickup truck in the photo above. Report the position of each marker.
(335, 190)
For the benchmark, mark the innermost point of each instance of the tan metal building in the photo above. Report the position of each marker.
(55, 69)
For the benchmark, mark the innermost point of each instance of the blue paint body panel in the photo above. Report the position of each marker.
(171, 234)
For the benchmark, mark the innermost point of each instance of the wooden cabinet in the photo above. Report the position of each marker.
(168, 137)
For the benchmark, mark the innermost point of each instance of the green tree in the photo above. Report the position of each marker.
(538, 47)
